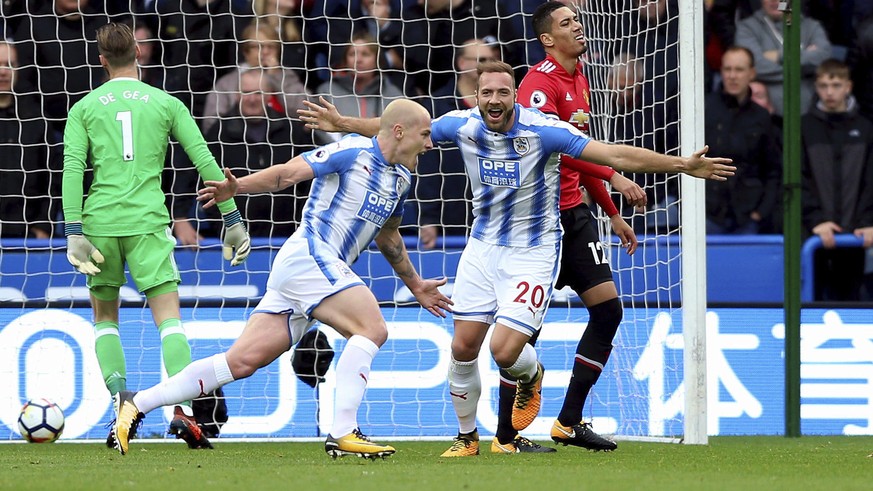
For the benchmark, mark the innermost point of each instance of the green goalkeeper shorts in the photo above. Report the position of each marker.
(148, 257)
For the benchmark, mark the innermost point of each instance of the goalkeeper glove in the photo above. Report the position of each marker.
(80, 251)
(236, 244)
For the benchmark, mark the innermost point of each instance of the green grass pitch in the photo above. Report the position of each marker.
(728, 463)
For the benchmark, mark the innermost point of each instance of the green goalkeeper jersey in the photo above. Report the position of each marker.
(122, 129)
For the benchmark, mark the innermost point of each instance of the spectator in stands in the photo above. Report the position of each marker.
(434, 29)
(357, 86)
(286, 18)
(30, 154)
(260, 49)
(742, 130)
(837, 181)
(199, 45)
(55, 45)
(762, 34)
(761, 97)
(252, 137)
(442, 190)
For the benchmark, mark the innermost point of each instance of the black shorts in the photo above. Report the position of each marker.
(583, 261)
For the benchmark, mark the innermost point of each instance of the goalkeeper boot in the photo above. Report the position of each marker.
(185, 427)
(127, 419)
(356, 443)
(527, 400)
(519, 444)
(581, 435)
(464, 445)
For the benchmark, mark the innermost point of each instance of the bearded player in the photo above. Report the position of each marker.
(557, 87)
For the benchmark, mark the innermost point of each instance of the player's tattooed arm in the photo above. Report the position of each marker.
(390, 242)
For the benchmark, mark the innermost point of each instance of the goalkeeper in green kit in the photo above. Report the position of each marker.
(122, 130)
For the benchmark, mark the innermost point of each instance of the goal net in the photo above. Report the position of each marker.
(46, 331)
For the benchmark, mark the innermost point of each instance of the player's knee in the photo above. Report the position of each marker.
(243, 365)
(378, 334)
(105, 293)
(503, 358)
(373, 329)
(463, 349)
(168, 287)
(604, 320)
(505, 354)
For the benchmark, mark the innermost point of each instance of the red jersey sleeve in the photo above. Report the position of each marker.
(597, 190)
(602, 172)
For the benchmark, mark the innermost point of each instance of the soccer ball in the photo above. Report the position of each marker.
(41, 421)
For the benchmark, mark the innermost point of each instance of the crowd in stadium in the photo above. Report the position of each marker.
(243, 67)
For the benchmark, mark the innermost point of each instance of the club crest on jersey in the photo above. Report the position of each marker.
(521, 145)
(399, 185)
(501, 173)
(376, 208)
(538, 99)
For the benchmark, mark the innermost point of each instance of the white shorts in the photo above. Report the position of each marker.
(303, 275)
(509, 285)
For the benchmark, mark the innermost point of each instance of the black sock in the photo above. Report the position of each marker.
(592, 353)
(505, 432)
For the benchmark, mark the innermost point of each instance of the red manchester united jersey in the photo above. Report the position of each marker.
(549, 88)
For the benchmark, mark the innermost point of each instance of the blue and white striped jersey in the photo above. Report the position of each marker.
(514, 175)
(354, 192)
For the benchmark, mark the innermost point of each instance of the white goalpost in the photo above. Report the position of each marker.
(645, 68)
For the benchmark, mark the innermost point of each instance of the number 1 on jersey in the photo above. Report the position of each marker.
(126, 134)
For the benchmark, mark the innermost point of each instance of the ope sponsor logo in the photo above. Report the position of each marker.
(376, 208)
(504, 173)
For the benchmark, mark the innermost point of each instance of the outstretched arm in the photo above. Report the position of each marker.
(634, 159)
(275, 178)
(426, 292)
(325, 117)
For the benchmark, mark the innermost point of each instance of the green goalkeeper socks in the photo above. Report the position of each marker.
(110, 356)
(175, 350)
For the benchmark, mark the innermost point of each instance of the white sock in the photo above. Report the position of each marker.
(200, 377)
(465, 389)
(352, 373)
(525, 367)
